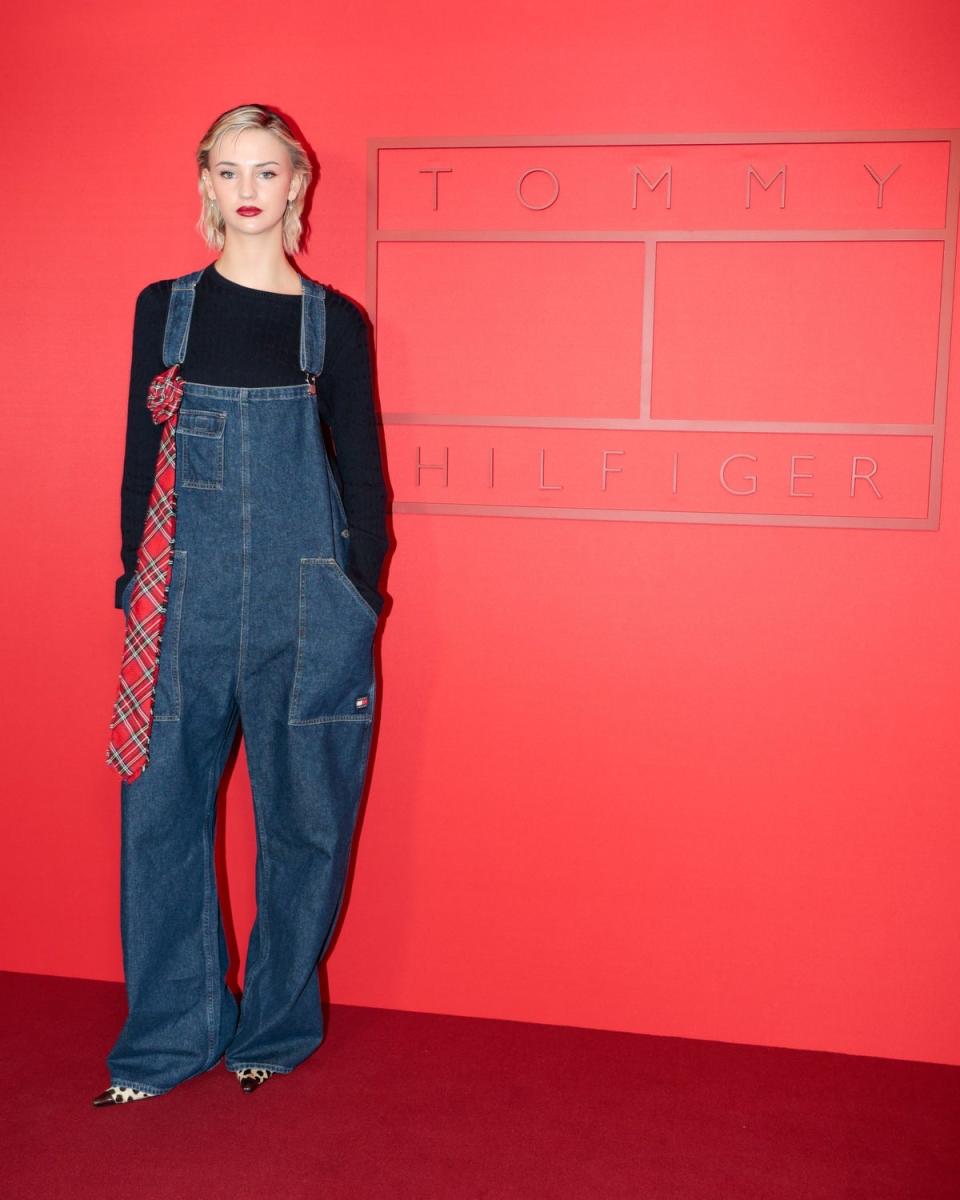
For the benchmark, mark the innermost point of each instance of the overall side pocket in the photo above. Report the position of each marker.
(334, 674)
(127, 594)
(166, 702)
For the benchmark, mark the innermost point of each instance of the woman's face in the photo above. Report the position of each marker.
(251, 178)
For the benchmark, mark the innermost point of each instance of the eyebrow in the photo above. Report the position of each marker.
(224, 163)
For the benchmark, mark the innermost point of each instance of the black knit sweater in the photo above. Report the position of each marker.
(246, 337)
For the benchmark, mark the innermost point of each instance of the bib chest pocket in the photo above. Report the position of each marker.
(199, 436)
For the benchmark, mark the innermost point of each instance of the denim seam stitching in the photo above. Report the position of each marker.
(353, 590)
(174, 650)
(348, 717)
(206, 917)
(262, 922)
(263, 1066)
(292, 719)
(244, 538)
(210, 897)
(183, 423)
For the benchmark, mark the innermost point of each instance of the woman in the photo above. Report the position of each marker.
(266, 616)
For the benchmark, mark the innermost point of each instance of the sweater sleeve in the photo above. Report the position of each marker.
(346, 384)
(142, 436)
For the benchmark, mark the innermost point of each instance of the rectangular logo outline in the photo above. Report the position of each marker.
(934, 430)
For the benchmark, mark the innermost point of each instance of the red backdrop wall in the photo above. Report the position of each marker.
(677, 775)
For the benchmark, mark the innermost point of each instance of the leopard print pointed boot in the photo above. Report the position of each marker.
(252, 1077)
(120, 1094)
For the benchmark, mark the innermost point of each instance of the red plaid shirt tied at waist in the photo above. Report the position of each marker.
(128, 751)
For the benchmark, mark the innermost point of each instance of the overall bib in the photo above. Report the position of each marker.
(264, 627)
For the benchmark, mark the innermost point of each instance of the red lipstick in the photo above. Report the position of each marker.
(247, 211)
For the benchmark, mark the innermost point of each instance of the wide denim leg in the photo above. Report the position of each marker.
(263, 627)
(181, 1013)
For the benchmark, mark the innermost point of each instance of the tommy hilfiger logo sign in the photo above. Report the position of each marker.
(362, 702)
(668, 328)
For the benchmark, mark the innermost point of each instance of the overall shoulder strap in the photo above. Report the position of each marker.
(313, 327)
(178, 317)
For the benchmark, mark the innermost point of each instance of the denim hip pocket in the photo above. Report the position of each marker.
(333, 676)
(167, 699)
(127, 593)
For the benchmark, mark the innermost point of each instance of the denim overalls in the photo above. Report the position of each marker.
(263, 626)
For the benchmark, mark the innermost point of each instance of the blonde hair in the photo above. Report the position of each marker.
(252, 116)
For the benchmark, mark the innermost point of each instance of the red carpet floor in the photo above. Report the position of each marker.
(407, 1105)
